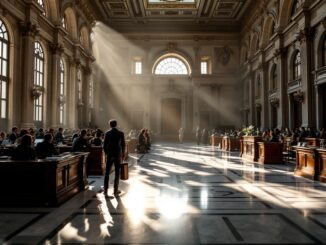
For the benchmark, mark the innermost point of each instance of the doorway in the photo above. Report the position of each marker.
(170, 116)
(297, 114)
(274, 116)
(204, 120)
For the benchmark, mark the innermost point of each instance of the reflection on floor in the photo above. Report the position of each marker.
(182, 194)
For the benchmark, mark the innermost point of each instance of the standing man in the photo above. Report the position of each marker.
(114, 147)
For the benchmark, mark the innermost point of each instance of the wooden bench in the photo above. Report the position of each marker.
(46, 182)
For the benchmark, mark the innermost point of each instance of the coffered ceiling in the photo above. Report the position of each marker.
(172, 15)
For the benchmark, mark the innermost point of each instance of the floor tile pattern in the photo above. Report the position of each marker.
(182, 194)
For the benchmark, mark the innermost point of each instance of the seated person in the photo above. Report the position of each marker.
(274, 137)
(14, 135)
(2, 137)
(97, 140)
(40, 134)
(24, 150)
(46, 148)
(80, 143)
(58, 138)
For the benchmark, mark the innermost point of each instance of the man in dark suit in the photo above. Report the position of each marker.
(114, 147)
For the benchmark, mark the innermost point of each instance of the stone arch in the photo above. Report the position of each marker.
(70, 15)
(285, 13)
(254, 44)
(272, 72)
(84, 37)
(244, 53)
(320, 49)
(268, 26)
(52, 10)
(292, 56)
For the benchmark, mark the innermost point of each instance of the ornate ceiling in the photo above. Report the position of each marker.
(172, 15)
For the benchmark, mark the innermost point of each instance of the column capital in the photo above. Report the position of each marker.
(304, 35)
(56, 48)
(280, 52)
(29, 29)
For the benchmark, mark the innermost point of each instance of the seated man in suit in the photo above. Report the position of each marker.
(46, 148)
(81, 143)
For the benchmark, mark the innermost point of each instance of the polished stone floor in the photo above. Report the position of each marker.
(182, 194)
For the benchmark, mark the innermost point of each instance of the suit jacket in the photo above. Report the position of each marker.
(114, 143)
(45, 149)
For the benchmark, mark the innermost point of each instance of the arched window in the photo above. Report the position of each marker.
(4, 68)
(274, 78)
(324, 51)
(41, 3)
(64, 22)
(171, 65)
(295, 7)
(297, 66)
(62, 91)
(38, 81)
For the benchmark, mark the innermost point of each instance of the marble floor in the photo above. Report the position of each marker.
(182, 194)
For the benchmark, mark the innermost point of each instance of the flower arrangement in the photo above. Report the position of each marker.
(248, 130)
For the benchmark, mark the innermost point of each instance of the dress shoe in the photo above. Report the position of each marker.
(117, 192)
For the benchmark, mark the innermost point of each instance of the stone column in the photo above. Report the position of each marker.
(72, 113)
(252, 120)
(54, 87)
(29, 31)
(305, 39)
(86, 93)
(264, 97)
(282, 114)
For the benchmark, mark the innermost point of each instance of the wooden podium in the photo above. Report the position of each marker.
(250, 149)
(306, 162)
(270, 152)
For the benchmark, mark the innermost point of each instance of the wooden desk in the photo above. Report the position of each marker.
(42, 182)
(217, 141)
(312, 142)
(270, 152)
(95, 160)
(322, 164)
(249, 149)
(306, 162)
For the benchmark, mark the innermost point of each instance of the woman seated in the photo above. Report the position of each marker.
(24, 150)
(46, 148)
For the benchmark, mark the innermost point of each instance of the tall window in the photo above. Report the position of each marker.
(79, 85)
(274, 78)
(324, 51)
(138, 67)
(204, 67)
(297, 66)
(64, 22)
(62, 91)
(171, 66)
(41, 3)
(38, 81)
(295, 7)
(4, 58)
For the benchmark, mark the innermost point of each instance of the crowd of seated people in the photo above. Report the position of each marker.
(144, 141)
(278, 135)
(29, 144)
